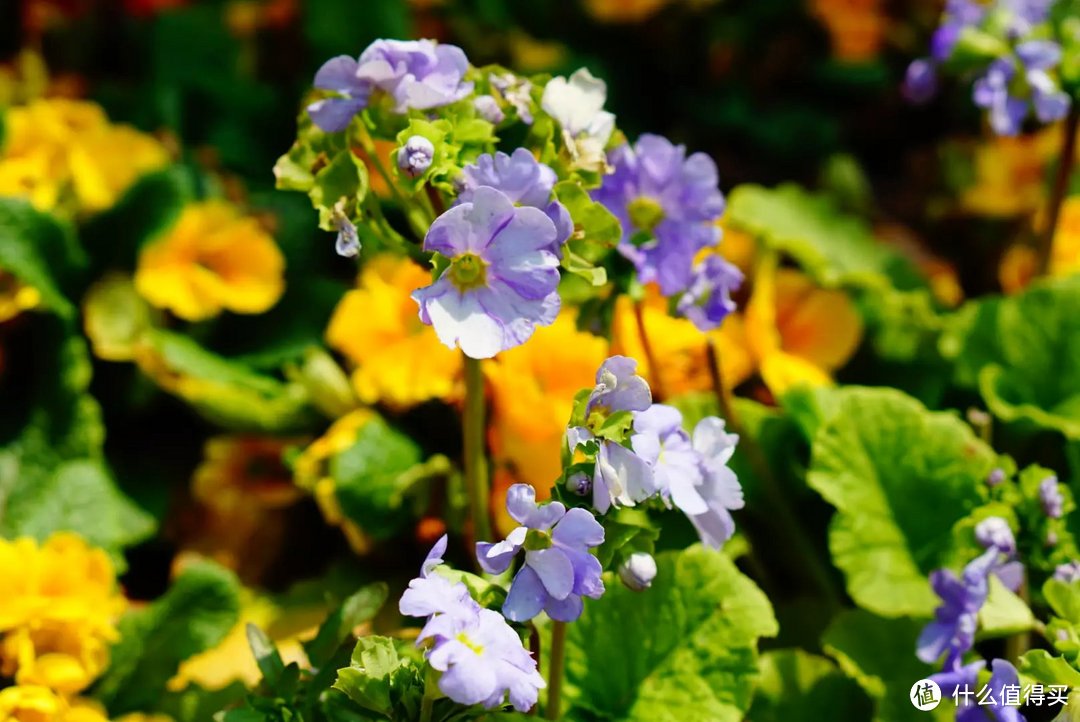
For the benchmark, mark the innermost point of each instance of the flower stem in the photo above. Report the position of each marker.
(1045, 240)
(426, 706)
(555, 670)
(650, 357)
(1017, 644)
(476, 472)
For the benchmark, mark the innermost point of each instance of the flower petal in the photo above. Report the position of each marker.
(554, 569)
(578, 528)
(526, 597)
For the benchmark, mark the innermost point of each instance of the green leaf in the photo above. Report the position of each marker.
(359, 608)
(596, 232)
(797, 686)
(900, 477)
(1063, 598)
(1049, 670)
(1018, 352)
(694, 638)
(266, 654)
(369, 679)
(41, 252)
(196, 613)
(879, 654)
(832, 247)
(339, 188)
(1004, 613)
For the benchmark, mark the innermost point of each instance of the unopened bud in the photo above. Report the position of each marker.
(415, 157)
(489, 109)
(579, 483)
(638, 571)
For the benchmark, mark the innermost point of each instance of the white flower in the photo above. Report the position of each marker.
(578, 105)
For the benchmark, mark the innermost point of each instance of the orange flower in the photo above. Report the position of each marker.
(211, 259)
(856, 27)
(1018, 265)
(1010, 174)
(624, 11)
(533, 387)
(399, 360)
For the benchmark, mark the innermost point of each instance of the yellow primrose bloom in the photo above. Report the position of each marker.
(399, 360)
(211, 259)
(856, 27)
(59, 152)
(15, 296)
(624, 11)
(32, 703)
(1010, 174)
(533, 387)
(58, 613)
(1018, 265)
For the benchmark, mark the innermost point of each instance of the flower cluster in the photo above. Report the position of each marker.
(668, 204)
(480, 658)
(638, 450)
(1016, 62)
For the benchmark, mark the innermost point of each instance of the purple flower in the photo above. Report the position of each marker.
(339, 75)
(660, 439)
(958, 15)
(579, 483)
(991, 92)
(618, 388)
(953, 630)
(668, 205)
(559, 569)
(482, 661)
(489, 109)
(995, 477)
(431, 594)
(415, 157)
(1068, 572)
(517, 92)
(720, 487)
(994, 90)
(414, 74)
(708, 300)
(955, 682)
(524, 180)
(638, 571)
(1053, 503)
(920, 81)
(995, 532)
(502, 280)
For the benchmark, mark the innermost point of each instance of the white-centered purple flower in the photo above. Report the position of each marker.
(559, 569)
(668, 204)
(638, 571)
(1053, 503)
(577, 105)
(660, 439)
(415, 157)
(707, 302)
(413, 74)
(621, 477)
(480, 657)
(502, 280)
(489, 109)
(524, 180)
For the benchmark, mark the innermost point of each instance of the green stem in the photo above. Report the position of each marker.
(427, 704)
(1045, 242)
(555, 670)
(366, 142)
(1017, 644)
(476, 472)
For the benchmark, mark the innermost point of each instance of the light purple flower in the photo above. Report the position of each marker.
(953, 630)
(668, 204)
(995, 532)
(517, 92)
(954, 682)
(957, 680)
(958, 15)
(995, 477)
(720, 486)
(502, 281)
(618, 388)
(489, 109)
(415, 74)
(660, 440)
(994, 90)
(340, 76)
(415, 157)
(708, 300)
(638, 571)
(347, 243)
(920, 81)
(524, 180)
(1068, 572)
(559, 569)
(482, 661)
(431, 594)
(1053, 503)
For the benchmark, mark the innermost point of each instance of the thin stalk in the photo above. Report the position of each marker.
(427, 704)
(650, 357)
(476, 472)
(555, 672)
(366, 142)
(1017, 644)
(1045, 242)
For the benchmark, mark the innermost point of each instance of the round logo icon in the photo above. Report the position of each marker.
(925, 695)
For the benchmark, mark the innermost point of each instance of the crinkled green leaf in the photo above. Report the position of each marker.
(685, 650)
(339, 189)
(797, 686)
(196, 613)
(1020, 353)
(879, 654)
(379, 679)
(900, 477)
(596, 232)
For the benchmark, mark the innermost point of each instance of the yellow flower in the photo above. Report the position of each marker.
(231, 659)
(856, 27)
(1018, 265)
(399, 360)
(1010, 174)
(15, 296)
(211, 259)
(59, 153)
(58, 613)
(533, 387)
(32, 703)
(624, 11)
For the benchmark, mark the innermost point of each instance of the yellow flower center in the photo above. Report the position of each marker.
(468, 271)
(645, 213)
(596, 418)
(464, 639)
(536, 540)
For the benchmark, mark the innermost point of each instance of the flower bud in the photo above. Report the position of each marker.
(1053, 503)
(489, 109)
(995, 532)
(578, 483)
(415, 157)
(996, 477)
(638, 571)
